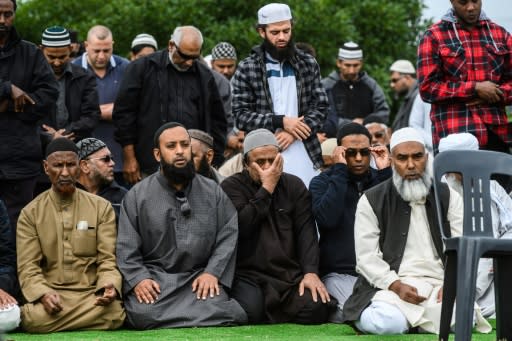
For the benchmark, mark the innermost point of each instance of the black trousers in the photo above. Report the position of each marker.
(16, 194)
(250, 296)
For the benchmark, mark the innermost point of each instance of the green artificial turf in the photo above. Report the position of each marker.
(285, 332)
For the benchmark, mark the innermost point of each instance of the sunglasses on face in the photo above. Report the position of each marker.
(185, 56)
(352, 152)
(184, 205)
(106, 158)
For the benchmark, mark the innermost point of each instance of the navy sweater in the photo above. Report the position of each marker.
(335, 194)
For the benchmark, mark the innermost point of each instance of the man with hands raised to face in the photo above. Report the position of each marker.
(276, 277)
(177, 243)
(335, 194)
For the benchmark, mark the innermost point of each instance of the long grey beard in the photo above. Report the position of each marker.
(413, 190)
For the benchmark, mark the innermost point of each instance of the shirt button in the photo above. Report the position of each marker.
(403, 234)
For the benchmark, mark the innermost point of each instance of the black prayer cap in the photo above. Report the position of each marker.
(352, 128)
(160, 130)
(61, 144)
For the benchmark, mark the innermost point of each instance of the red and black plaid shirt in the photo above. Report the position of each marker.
(451, 59)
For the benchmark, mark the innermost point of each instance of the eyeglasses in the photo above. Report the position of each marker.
(395, 80)
(185, 56)
(352, 152)
(184, 205)
(106, 158)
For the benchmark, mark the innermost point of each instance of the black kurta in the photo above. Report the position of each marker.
(277, 242)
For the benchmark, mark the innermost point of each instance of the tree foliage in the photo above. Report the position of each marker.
(386, 30)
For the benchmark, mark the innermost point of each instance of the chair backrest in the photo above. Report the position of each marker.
(476, 168)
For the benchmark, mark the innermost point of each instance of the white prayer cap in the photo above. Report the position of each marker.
(144, 39)
(407, 134)
(274, 12)
(403, 66)
(460, 141)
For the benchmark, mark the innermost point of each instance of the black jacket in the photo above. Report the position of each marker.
(335, 194)
(81, 102)
(23, 64)
(142, 106)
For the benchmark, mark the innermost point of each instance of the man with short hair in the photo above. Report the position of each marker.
(169, 85)
(465, 71)
(341, 186)
(108, 68)
(177, 243)
(77, 111)
(202, 154)
(142, 45)
(278, 88)
(224, 59)
(277, 262)
(28, 90)
(379, 131)
(65, 246)
(402, 80)
(353, 94)
(9, 288)
(97, 172)
(398, 246)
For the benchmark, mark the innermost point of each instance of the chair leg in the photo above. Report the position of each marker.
(503, 297)
(467, 264)
(449, 289)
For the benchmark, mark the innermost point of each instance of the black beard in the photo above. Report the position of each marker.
(204, 168)
(178, 175)
(4, 31)
(281, 53)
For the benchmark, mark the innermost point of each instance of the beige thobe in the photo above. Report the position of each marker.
(53, 255)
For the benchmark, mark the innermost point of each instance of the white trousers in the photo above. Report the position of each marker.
(9, 318)
(382, 318)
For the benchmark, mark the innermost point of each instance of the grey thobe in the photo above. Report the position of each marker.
(155, 240)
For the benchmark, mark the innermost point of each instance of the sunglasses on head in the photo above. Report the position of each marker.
(184, 205)
(352, 152)
(106, 158)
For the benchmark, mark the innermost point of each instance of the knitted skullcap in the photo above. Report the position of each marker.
(202, 136)
(223, 50)
(160, 130)
(89, 146)
(274, 12)
(460, 141)
(407, 134)
(144, 39)
(60, 144)
(350, 51)
(259, 138)
(352, 128)
(55, 36)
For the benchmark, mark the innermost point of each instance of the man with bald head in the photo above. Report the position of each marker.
(169, 85)
(398, 246)
(66, 253)
(108, 68)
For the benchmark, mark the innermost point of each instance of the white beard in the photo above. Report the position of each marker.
(413, 190)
